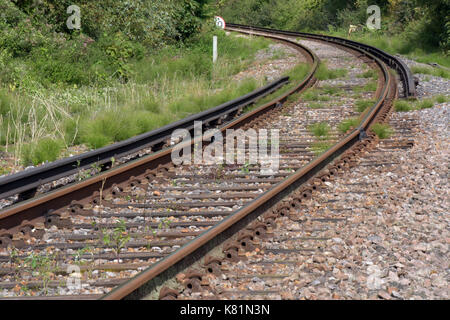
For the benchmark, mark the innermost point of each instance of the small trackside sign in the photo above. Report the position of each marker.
(220, 22)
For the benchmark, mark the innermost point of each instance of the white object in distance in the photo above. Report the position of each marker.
(220, 22)
(214, 49)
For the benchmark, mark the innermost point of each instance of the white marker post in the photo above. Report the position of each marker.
(214, 49)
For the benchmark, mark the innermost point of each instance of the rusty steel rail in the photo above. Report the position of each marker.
(393, 62)
(149, 280)
(48, 205)
(25, 183)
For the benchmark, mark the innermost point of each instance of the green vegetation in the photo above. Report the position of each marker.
(320, 130)
(437, 72)
(348, 124)
(383, 131)
(409, 105)
(110, 81)
(38, 45)
(43, 150)
(371, 73)
(296, 75)
(294, 97)
(370, 86)
(118, 237)
(402, 106)
(137, 65)
(362, 105)
(321, 94)
(315, 105)
(417, 28)
(42, 266)
(441, 99)
(312, 95)
(425, 104)
(330, 90)
(320, 147)
(324, 73)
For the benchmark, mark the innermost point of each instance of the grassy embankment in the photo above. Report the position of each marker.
(39, 121)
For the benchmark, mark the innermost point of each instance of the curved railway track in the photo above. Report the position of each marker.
(135, 227)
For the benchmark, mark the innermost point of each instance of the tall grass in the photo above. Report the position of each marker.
(324, 73)
(38, 122)
(437, 72)
(397, 44)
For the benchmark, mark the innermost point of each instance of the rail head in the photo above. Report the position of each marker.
(258, 204)
(134, 288)
(42, 205)
(403, 70)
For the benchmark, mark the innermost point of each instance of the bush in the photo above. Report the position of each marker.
(402, 106)
(348, 124)
(113, 32)
(109, 127)
(441, 99)
(5, 102)
(47, 149)
(426, 104)
(383, 131)
(422, 23)
(148, 22)
(320, 130)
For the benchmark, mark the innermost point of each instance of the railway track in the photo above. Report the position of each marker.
(304, 253)
(132, 229)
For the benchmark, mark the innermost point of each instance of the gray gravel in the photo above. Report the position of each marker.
(429, 85)
(392, 244)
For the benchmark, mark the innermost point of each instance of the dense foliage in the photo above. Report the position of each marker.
(133, 66)
(427, 20)
(36, 43)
